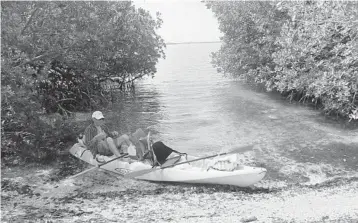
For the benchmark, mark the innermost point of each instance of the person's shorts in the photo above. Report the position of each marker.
(103, 148)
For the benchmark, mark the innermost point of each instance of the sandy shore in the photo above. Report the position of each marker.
(103, 197)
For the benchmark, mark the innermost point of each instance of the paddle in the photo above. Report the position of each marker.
(142, 172)
(83, 172)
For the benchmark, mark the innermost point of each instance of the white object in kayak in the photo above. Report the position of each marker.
(131, 150)
(243, 177)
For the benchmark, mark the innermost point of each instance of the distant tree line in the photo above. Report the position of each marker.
(306, 50)
(55, 55)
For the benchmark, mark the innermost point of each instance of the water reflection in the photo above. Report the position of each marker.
(139, 109)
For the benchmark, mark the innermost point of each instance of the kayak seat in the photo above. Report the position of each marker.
(171, 161)
(162, 152)
(157, 153)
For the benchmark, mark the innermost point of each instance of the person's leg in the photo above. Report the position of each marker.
(112, 146)
(103, 148)
(140, 147)
(123, 140)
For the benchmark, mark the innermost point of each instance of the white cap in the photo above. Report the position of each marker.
(97, 115)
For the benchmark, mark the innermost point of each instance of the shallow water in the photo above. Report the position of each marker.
(193, 109)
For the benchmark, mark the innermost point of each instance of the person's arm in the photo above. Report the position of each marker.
(113, 134)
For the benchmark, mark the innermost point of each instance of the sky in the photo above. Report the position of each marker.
(183, 20)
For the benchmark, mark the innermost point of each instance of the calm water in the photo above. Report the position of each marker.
(194, 109)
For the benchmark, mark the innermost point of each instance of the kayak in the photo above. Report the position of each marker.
(243, 176)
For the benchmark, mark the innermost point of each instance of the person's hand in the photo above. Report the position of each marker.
(101, 136)
(115, 133)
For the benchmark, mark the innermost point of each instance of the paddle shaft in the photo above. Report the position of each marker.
(142, 172)
(83, 172)
(189, 161)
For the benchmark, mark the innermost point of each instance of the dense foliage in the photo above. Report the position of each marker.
(56, 55)
(307, 50)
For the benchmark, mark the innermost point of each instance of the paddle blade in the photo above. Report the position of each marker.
(79, 174)
(135, 174)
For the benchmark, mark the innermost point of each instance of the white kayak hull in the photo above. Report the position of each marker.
(243, 177)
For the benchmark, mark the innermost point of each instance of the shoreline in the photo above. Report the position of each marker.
(102, 197)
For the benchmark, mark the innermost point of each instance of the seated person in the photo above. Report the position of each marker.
(99, 140)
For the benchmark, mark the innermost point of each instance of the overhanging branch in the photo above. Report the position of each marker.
(29, 21)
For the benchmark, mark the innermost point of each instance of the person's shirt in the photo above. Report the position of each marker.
(90, 132)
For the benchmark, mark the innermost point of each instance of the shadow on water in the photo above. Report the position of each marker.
(340, 154)
(313, 111)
